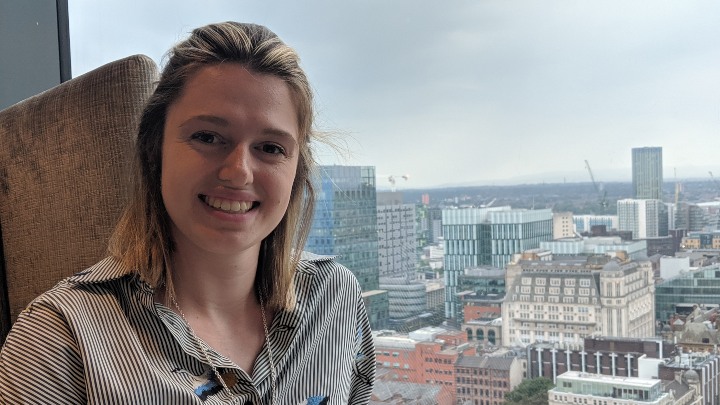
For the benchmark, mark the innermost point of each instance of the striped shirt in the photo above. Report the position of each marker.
(99, 337)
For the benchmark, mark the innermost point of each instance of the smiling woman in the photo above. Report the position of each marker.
(206, 297)
(231, 140)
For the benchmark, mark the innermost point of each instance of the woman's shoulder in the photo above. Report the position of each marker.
(74, 291)
(326, 270)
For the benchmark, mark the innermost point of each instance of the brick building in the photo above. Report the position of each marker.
(425, 356)
(486, 380)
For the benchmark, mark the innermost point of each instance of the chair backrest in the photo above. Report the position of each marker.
(65, 158)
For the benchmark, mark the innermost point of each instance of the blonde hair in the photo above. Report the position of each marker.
(142, 240)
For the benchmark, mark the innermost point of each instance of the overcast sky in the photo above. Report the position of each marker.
(473, 92)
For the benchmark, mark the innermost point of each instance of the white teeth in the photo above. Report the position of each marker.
(228, 205)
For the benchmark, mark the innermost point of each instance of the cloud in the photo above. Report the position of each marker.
(472, 91)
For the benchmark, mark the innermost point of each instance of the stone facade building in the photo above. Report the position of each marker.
(566, 301)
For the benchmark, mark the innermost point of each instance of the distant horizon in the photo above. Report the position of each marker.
(620, 175)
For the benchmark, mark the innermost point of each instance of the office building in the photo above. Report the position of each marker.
(430, 225)
(585, 223)
(433, 257)
(467, 244)
(660, 245)
(483, 282)
(701, 286)
(647, 173)
(568, 300)
(563, 225)
(607, 355)
(517, 230)
(345, 226)
(487, 236)
(690, 217)
(644, 218)
(701, 240)
(635, 249)
(397, 239)
(574, 388)
(407, 301)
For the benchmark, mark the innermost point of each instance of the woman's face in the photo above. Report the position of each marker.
(229, 156)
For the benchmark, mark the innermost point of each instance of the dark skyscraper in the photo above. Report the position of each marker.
(647, 173)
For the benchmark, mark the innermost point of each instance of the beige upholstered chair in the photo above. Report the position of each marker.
(64, 163)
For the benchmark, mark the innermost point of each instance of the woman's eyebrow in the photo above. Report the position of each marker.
(279, 133)
(213, 119)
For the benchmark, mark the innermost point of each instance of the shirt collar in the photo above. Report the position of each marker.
(308, 261)
(108, 269)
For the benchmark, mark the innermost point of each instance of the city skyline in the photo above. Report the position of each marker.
(506, 92)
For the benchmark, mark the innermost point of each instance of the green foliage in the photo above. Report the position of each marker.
(530, 392)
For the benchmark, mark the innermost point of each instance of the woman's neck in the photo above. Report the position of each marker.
(212, 285)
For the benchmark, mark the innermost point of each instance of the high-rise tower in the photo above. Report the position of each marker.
(345, 226)
(647, 173)
(646, 218)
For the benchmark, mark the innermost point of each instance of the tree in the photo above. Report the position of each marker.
(530, 392)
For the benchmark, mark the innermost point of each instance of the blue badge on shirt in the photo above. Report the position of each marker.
(207, 385)
(316, 400)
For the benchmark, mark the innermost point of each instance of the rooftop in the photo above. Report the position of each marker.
(635, 382)
(486, 362)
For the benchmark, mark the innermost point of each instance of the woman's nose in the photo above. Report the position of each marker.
(236, 167)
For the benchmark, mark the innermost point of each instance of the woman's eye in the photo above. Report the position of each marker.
(272, 149)
(205, 137)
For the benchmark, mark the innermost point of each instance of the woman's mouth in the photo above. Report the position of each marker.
(231, 206)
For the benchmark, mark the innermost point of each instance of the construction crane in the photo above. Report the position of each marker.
(602, 194)
(678, 188)
(488, 205)
(393, 180)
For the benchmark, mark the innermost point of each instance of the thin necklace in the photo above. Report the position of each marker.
(206, 355)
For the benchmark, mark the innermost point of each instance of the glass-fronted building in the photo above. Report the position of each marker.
(701, 286)
(477, 237)
(584, 223)
(574, 387)
(345, 225)
(467, 245)
(515, 231)
(483, 282)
